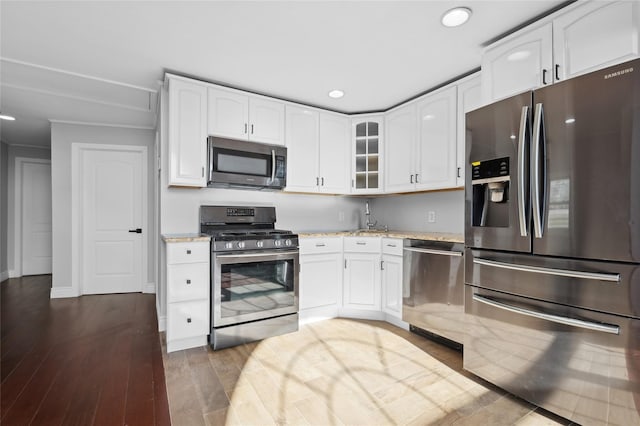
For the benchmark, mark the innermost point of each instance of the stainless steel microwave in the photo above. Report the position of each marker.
(242, 164)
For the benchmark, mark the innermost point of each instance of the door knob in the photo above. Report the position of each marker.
(136, 231)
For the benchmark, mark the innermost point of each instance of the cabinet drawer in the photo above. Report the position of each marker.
(362, 244)
(320, 245)
(188, 252)
(187, 319)
(392, 246)
(187, 281)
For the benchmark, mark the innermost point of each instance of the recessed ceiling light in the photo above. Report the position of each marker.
(456, 16)
(570, 120)
(6, 117)
(336, 94)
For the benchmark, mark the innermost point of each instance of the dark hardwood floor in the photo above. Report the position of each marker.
(79, 361)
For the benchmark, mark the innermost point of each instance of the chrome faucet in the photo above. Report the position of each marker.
(367, 212)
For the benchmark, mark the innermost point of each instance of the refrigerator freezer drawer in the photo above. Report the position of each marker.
(601, 286)
(582, 365)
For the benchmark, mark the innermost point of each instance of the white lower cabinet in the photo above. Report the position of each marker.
(392, 277)
(361, 273)
(320, 289)
(355, 277)
(187, 294)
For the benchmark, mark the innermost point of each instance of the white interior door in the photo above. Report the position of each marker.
(36, 217)
(113, 203)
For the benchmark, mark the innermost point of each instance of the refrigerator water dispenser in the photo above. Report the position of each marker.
(490, 180)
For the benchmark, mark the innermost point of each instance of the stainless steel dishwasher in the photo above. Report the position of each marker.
(433, 288)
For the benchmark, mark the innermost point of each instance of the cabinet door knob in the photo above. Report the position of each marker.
(245, 128)
(557, 72)
(544, 76)
(188, 251)
(189, 320)
(411, 179)
(188, 281)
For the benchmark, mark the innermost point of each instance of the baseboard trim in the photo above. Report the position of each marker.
(14, 274)
(396, 321)
(190, 342)
(361, 314)
(4, 275)
(308, 316)
(63, 292)
(150, 288)
(162, 323)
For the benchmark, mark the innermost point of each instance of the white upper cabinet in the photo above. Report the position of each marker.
(266, 118)
(400, 136)
(580, 38)
(469, 98)
(318, 151)
(237, 115)
(334, 159)
(517, 64)
(367, 145)
(302, 148)
(437, 140)
(595, 35)
(187, 133)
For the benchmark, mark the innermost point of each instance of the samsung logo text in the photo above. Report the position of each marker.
(618, 73)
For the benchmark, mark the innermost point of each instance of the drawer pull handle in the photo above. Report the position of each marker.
(361, 243)
(189, 320)
(188, 251)
(188, 281)
(573, 322)
(320, 245)
(391, 245)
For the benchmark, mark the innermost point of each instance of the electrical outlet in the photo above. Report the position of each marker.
(431, 216)
(340, 216)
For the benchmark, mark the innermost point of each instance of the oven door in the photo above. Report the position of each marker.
(250, 286)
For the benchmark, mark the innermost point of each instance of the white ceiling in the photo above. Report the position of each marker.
(101, 61)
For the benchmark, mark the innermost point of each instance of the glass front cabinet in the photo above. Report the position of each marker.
(367, 147)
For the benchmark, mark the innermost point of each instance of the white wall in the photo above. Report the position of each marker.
(13, 153)
(62, 137)
(4, 202)
(409, 212)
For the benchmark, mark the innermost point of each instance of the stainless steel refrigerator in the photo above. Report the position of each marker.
(552, 236)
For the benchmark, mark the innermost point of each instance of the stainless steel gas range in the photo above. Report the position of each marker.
(254, 274)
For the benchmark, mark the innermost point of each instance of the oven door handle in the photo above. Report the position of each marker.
(261, 254)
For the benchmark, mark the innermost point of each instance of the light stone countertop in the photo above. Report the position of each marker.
(427, 236)
(185, 238)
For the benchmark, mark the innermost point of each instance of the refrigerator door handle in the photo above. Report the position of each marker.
(538, 125)
(522, 149)
(599, 276)
(573, 322)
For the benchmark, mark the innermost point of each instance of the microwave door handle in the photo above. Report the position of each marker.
(210, 159)
(273, 165)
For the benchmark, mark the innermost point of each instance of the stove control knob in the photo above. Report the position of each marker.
(278, 243)
(287, 242)
(259, 244)
(228, 245)
(241, 244)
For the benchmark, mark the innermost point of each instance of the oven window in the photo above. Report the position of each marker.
(248, 288)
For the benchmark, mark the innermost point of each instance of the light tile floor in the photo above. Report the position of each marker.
(338, 372)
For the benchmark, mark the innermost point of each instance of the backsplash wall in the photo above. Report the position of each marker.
(409, 212)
